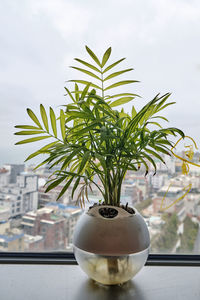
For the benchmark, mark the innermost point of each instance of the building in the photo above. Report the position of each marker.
(192, 201)
(169, 166)
(157, 181)
(44, 222)
(9, 173)
(14, 171)
(12, 240)
(165, 198)
(4, 226)
(4, 214)
(4, 177)
(71, 214)
(18, 191)
(132, 192)
(138, 181)
(34, 243)
(51, 196)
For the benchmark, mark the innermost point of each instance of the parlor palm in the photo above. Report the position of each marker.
(92, 138)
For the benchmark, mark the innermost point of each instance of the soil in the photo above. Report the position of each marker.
(111, 212)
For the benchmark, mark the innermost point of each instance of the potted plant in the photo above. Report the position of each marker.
(95, 140)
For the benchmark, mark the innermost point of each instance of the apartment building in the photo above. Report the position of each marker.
(18, 190)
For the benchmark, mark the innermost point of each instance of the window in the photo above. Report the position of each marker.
(162, 44)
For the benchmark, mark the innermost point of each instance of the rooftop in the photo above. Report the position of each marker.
(3, 171)
(172, 189)
(10, 237)
(69, 208)
(31, 239)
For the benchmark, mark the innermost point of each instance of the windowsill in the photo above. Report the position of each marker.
(65, 282)
(69, 259)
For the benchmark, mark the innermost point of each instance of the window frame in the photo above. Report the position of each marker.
(69, 259)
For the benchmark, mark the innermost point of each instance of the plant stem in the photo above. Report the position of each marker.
(102, 87)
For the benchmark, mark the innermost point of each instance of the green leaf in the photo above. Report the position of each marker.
(32, 140)
(94, 57)
(106, 57)
(87, 65)
(86, 83)
(42, 163)
(72, 174)
(33, 117)
(84, 161)
(147, 115)
(33, 155)
(69, 93)
(113, 65)
(137, 119)
(176, 130)
(145, 164)
(27, 127)
(65, 188)
(49, 145)
(55, 162)
(121, 101)
(166, 105)
(164, 142)
(155, 154)
(87, 72)
(160, 117)
(160, 149)
(119, 84)
(102, 160)
(41, 151)
(77, 92)
(53, 121)
(150, 159)
(85, 91)
(86, 129)
(28, 132)
(132, 167)
(44, 117)
(133, 112)
(55, 183)
(162, 102)
(82, 115)
(122, 95)
(75, 186)
(155, 123)
(69, 158)
(62, 124)
(70, 107)
(117, 74)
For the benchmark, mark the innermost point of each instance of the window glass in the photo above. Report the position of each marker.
(39, 40)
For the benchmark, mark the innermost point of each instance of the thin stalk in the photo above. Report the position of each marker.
(119, 190)
(102, 86)
(98, 187)
(103, 181)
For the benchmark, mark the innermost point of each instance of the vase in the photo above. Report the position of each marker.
(111, 250)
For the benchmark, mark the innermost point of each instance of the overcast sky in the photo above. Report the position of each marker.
(39, 39)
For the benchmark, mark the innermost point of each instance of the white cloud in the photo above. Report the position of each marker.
(68, 17)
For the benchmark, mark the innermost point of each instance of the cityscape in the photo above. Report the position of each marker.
(32, 220)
